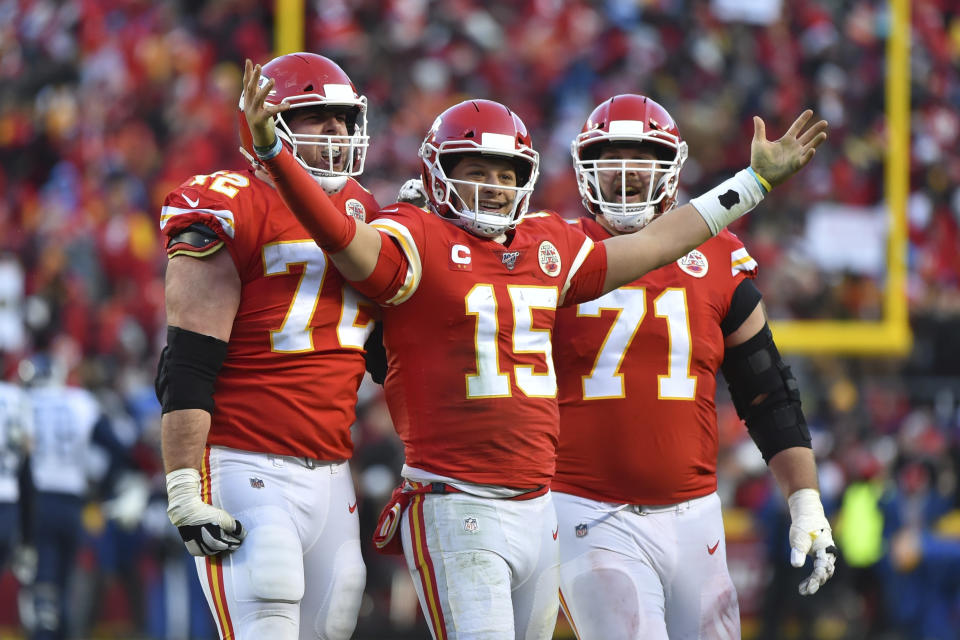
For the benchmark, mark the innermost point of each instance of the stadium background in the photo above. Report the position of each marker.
(107, 104)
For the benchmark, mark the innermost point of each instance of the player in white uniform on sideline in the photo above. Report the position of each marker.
(16, 435)
(641, 534)
(67, 420)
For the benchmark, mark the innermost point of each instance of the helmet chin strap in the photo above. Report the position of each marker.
(628, 221)
(476, 227)
(330, 184)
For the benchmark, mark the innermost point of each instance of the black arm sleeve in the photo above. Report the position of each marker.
(188, 369)
(745, 299)
(376, 355)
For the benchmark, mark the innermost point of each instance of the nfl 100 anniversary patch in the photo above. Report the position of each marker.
(509, 259)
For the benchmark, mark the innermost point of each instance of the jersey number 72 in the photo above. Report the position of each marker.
(295, 335)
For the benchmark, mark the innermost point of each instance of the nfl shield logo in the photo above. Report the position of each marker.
(470, 524)
(581, 530)
(256, 483)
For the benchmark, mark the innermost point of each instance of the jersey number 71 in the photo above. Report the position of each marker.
(630, 303)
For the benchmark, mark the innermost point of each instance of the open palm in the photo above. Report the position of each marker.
(777, 160)
(258, 111)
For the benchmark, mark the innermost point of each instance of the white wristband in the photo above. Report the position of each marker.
(183, 495)
(805, 503)
(186, 480)
(729, 200)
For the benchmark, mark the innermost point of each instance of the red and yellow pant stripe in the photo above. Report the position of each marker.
(424, 564)
(566, 612)
(215, 580)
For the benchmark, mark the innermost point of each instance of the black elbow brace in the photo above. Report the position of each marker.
(187, 370)
(755, 370)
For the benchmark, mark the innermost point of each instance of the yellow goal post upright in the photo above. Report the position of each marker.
(288, 26)
(891, 335)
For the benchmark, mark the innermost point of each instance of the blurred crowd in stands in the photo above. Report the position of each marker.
(108, 104)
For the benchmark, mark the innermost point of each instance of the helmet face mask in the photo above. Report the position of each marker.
(641, 179)
(489, 130)
(630, 190)
(464, 198)
(337, 155)
(307, 81)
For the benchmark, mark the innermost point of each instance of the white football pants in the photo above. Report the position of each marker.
(645, 573)
(298, 573)
(484, 568)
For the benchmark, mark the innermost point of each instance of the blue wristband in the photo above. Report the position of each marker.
(269, 152)
(760, 180)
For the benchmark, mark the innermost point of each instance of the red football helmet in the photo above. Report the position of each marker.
(480, 127)
(309, 80)
(629, 120)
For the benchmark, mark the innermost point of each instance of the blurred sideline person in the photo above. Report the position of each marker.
(469, 293)
(16, 436)
(259, 378)
(67, 420)
(642, 546)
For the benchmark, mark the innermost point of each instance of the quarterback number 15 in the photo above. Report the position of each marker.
(490, 381)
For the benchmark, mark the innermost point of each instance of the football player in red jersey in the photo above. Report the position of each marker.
(641, 536)
(469, 292)
(265, 351)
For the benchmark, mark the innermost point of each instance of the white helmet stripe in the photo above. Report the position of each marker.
(626, 127)
(497, 141)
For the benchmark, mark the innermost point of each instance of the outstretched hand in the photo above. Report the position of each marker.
(777, 161)
(259, 113)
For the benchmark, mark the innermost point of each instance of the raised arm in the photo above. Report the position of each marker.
(669, 237)
(352, 245)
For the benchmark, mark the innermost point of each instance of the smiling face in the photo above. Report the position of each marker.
(625, 173)
(327, 146)
(488, 173)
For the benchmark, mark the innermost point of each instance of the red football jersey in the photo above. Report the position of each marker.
(637, 375)
(295, 355)
(471, 386)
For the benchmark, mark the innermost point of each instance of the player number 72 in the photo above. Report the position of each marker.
(295, 335)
